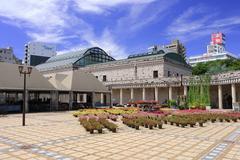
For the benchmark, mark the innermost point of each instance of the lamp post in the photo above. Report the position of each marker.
(24, 70)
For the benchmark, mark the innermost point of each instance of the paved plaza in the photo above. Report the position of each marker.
(59, 136)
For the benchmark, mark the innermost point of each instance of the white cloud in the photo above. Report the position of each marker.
(142, 15)
(49, 21)
(44, 20)
(101, 6)
(105, 41)
(199, 21)
(50, 37)
(55, 21)
(225, 22)
(31, 12)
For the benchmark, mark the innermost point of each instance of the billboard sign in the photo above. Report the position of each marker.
(218, 38)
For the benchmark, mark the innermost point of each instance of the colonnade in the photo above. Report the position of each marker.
(143, 94)
(185, 92)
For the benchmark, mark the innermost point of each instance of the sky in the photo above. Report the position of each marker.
(120, 27)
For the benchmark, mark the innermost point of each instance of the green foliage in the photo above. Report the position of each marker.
(182, 107)
(216, 66)
(198, 95)
(182, 102)
(172, 103)
(200, 68)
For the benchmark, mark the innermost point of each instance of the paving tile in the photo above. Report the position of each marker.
(59, 136)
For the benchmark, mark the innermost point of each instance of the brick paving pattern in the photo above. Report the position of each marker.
(59, 136)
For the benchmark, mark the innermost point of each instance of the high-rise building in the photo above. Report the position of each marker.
(7, 55)
(38, 53)
(215, 51)
(177, 47)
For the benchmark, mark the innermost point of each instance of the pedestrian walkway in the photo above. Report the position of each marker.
(59, 136)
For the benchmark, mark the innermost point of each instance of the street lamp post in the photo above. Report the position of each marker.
(24, 70)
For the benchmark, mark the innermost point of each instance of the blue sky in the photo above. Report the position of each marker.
(121, 27)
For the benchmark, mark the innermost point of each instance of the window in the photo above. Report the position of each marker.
(155, 74)
(81, 98)
(104, 78)
(135, 71)
(169, 74)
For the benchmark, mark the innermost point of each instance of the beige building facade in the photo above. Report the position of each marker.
(158, 75)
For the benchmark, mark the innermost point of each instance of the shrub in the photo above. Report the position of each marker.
(96, 125)
(172, 103)
(113, 117)
(109, 125)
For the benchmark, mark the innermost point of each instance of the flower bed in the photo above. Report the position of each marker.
(200, 117)
(97, 119)
(111, 126)
(92, 123)
(89, 112)
(184, 120)
(120, 111)
(112, 111)
(144, 119)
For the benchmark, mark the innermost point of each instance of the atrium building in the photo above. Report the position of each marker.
(144, 76)
(158, 74)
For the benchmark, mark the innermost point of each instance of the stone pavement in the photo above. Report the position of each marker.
(59, 136)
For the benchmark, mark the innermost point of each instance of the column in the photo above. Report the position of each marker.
(132, 94)
(170, 93)
(111, 97)
(143, 94)
(220, 104)
(70, 100)
(84, 98)
(185, 90)
(233, 89)
(121, 96)
(54, 100)
(93, 99)
(5, 97)
(102, 98)
(156, 93)
(16, 97)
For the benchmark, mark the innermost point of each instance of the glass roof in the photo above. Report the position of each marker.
(69, 59)
(97, 55)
